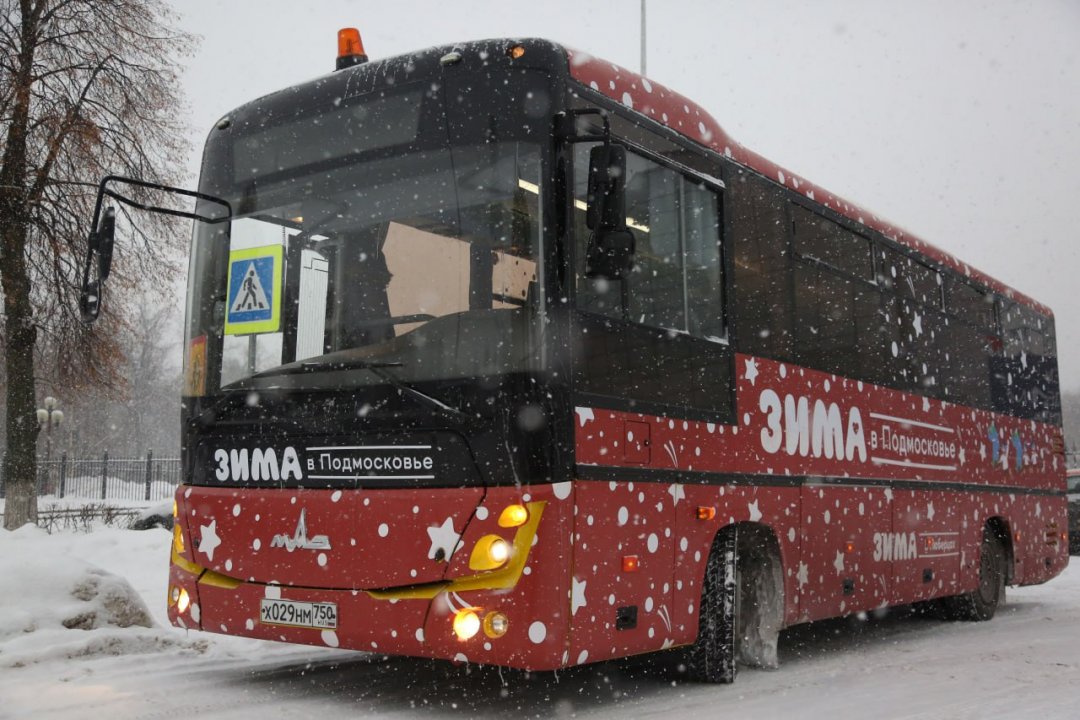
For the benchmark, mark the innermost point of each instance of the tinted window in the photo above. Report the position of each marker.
(909, 278)
(971, 305)
(762, 264)
(823, 240)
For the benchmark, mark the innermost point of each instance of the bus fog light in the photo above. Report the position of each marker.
(183, 601)
(496, 624)
(174, 595)
(466, 624)
(490, 552)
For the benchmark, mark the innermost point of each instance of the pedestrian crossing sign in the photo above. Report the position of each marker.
(253, 303)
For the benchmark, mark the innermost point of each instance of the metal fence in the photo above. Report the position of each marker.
(106, 478)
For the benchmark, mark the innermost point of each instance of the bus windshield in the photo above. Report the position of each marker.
(363, 235)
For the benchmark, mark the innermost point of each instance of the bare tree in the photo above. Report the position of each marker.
(87, 88)
(144, 414)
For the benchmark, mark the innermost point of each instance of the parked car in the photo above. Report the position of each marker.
(1072, 485)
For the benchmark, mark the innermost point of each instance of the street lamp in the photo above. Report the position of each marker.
(49, 417)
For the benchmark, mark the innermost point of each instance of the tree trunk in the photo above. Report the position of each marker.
(20, 462)
(20, 332)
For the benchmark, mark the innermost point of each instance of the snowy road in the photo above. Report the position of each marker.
(1023, 664)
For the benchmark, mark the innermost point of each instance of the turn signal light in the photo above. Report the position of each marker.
(630, 563)
(178, 538)
(515, 52)
(513, 516)
(706, 513)
(466, 624)
(183, 601)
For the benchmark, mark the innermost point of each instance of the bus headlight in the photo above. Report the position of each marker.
(466, 624)
(490, 552)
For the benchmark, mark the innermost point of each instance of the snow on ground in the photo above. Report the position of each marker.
(1023, 664)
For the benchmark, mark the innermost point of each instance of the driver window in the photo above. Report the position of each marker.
(675, 280)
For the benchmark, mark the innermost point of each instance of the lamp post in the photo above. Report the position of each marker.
(49, 417)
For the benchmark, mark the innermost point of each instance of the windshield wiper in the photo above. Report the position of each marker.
(376, 367)
(326, 366)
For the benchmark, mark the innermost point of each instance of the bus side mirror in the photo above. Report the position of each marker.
(100, 243)
(90, 301)
(103, 240)
(610, 252)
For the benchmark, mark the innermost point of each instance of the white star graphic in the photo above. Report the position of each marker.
(755, 512)
(918, 325)
(838, 563)
(209, 540)
(930, 511)
(803, 576)
(443, 537)
(751, 370)
(577, 595)
(982, 451)
(962, 456)
(676, 493)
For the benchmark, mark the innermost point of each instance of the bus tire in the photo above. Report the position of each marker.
(712, 656)
(760, 602)
(981, 603)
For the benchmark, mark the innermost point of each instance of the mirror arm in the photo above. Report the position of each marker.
(94, 238)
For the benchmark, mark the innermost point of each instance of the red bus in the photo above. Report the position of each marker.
(501, 353)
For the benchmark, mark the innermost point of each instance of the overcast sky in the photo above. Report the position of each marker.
(958, 120)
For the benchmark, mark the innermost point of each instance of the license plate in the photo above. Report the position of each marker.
(295, 613)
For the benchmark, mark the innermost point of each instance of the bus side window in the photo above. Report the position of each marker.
(762, 289)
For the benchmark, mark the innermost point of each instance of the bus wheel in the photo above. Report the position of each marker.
(761, 601)
(712, 656)
(982, 603)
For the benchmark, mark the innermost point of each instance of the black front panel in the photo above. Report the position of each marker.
(422, 459)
